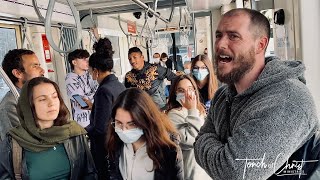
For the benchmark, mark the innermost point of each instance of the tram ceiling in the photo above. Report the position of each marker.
(103, 7)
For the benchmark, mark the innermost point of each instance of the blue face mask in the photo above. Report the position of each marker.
(200, 74)
(179, 97)
(187, 71)
(129, 136)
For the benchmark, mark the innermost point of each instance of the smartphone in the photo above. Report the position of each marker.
(80, 101)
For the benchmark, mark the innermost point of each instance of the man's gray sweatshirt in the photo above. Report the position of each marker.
(251, 135)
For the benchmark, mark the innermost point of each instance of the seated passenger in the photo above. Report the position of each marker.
(53, 146)
(140, 142)
(187, 113)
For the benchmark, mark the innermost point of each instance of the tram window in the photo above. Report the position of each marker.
(8, 41)
(184, 43)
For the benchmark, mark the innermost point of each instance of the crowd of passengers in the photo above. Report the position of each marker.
(149, 126)
(138, 129)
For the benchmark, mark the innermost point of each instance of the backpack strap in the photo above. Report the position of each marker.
(17, 159)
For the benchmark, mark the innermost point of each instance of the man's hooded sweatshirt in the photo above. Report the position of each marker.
(267, 122)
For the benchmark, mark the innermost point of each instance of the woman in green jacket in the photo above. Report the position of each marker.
(53, 146)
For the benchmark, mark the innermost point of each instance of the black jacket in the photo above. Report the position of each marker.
(106, 94)
(171, 168)
(82, 166)
(149, 78)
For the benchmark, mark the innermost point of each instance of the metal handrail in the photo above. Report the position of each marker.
(24, 33)
(32, 22)
(48, 27)
(35, 7)
(9, 83)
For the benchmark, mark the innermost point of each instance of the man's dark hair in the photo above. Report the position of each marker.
(13, 60)
(258, 21)
(101, 61)
(134, 50)
(77, 54)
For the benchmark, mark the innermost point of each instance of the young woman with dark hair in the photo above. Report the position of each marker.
(100, 66)
(187, 113)
(53, 146)
(140, 141)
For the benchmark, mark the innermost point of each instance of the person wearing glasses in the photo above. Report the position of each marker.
(141, 140)
(187, 113)
(203, 73)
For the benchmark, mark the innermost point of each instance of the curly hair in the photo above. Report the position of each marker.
(103, 46)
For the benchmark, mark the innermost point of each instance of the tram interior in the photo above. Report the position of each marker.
(176, 27)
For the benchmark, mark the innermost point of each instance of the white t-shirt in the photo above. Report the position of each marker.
(135, 166)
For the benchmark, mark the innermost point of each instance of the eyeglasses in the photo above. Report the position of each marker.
(181, 90)
(203, 67)
(119, 125)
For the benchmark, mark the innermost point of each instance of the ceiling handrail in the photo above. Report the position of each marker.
(62, 40)
(48, 27)
(36, 8)
(9, 83)
(24, 33)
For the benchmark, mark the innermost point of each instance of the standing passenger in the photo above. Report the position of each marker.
(203, 74)
(20, 65)
(187, 113)
(79, 81)
(265, 111)
(147, 77)
(100, 66)
(53, 146)
(138, 143)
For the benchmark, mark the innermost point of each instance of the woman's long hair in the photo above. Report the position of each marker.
(173, 103)
(145, 114)
(212, 81)
(63, 115)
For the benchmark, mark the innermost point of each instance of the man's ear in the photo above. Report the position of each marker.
(17, 73)
(73, 62)
(262, 44)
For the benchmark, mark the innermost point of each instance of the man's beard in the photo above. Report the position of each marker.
(244, 63)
